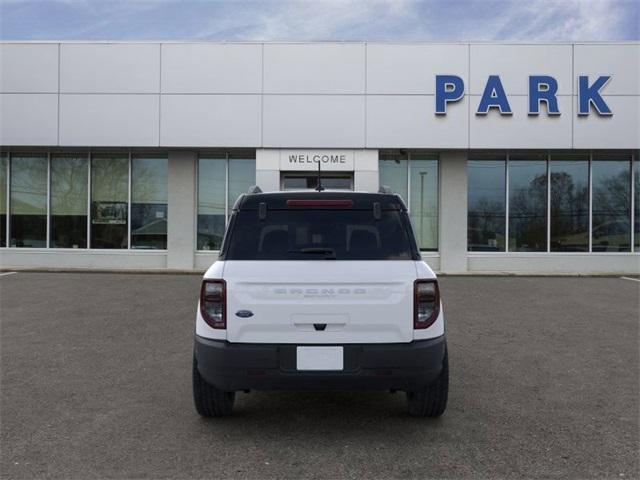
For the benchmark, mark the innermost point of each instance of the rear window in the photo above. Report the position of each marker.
(319, 235)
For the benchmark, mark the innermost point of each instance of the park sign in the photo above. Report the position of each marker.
(542, 89)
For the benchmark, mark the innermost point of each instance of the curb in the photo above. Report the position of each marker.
(166, 271)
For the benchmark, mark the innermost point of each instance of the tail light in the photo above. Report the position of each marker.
(213, 303)
(426, 303)
(320, 203)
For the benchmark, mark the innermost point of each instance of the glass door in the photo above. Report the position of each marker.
(309, 181)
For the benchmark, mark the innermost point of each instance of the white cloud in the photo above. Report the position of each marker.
(332, 20)
(555, 20)
(428, 20)
(311, 20)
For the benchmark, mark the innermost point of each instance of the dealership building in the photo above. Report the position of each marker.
(509, 157)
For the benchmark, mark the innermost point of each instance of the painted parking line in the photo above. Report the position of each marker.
(632, 279)
(7, 273)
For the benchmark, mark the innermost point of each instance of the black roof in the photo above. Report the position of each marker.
(278, 200)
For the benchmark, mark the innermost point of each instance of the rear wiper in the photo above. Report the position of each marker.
(330, 253)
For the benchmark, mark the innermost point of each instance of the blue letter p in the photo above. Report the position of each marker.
(449, 88)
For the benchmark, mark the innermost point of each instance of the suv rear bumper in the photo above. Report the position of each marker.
(386, 366)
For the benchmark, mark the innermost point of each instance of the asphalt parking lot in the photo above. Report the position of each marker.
(95, 377)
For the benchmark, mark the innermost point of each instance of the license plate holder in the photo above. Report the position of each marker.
(320, 358)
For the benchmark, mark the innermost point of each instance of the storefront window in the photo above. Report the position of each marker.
(414, 176)
(394, 172)
(611, 181)
(222, 178)
(211, 202)
(569, 203)
(3, 200)
(486, 204)
(149, 196)
(109, 197)
(69, 201)
(242, 175)
(528, 203)
(423, 205)
(28, 223)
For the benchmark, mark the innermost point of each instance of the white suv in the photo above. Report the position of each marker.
(320, 291)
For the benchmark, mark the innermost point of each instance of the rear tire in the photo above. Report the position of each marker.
(432, 401)
(209, 400)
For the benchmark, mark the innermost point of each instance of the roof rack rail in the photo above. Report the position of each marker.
(254, 189)
(385, 189)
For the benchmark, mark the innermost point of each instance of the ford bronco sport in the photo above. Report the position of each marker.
(320, 291)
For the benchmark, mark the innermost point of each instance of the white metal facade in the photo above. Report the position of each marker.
(359, 97)
(341, 95)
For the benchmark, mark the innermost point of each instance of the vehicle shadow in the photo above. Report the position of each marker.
(324, 412)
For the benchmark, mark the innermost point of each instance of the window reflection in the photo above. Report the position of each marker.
(211, 202)
(28, 226)
(394, 172)
(214, 192)
(423, 207)
(69, 201)
(330, 181)
(421, 197)
(570, 203)
(528, 203)
(486, 200)
(611, 230)
(149, 196)
(3, 199)
(242, 176)
(109, 197)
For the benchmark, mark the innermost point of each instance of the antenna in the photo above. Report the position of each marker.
(319, 188)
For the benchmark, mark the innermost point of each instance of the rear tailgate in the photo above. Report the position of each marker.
(320, 302)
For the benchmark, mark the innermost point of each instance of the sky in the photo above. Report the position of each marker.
(321, 20)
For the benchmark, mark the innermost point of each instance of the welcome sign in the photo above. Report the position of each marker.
(329, 160)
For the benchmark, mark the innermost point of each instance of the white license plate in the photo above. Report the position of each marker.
(319, 358)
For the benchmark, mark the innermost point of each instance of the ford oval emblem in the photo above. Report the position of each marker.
(244, 313)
